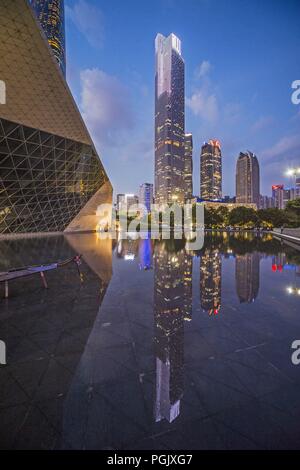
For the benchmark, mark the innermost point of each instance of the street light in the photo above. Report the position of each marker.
(293, 172)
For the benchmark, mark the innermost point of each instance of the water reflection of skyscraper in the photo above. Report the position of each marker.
(210, 280)
(247, 276)
(172, 305)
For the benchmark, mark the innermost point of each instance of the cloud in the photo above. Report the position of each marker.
(106, 106)
(262, 123)
(286, 149)
(88, 19)
(203, 69)
(204, 104)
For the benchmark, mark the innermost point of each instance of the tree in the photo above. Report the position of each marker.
(243, 216)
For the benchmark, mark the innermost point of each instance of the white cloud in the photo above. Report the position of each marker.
(203, 69)
(262, 122)
(286, 148)
(106, 106)
(204, 105)
(89, 21)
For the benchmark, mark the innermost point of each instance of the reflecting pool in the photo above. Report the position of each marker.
(158, 348)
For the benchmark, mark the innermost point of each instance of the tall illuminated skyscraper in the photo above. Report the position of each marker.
(211, 171)
(188, 165)
(169, 120)
(51, 16)
(247, 179)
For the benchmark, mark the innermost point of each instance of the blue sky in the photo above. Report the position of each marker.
(241, 57)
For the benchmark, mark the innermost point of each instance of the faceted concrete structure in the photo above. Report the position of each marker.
(50, 173)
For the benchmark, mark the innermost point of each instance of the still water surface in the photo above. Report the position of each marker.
(158, 348)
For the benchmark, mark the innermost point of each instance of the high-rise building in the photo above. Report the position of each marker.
(266, 202)
(247, 179)
(297, 188)
(247, 276)
(51, 16)
(146, 195)
(120, 201)
(169, 120)
(211, 171)
(277, 195)
(188, 165)
(51, 178)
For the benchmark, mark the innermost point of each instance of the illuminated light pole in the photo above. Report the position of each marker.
(293, 172)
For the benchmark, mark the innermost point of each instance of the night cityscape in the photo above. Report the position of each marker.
(149, 228)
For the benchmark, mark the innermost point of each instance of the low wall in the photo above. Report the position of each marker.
(292, 232)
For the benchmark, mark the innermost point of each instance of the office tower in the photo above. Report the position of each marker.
(247, 179)
(131, 199)
(210, 281)
(169, 120)
(51, 178)
(247, 276)
(188, 166)
(146, 195)
(51, 16)
(211, 171)
(277, 195)
(172, 306)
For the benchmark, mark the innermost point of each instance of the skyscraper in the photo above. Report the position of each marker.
(210, 280)
(169, 120)
(247, 179)
(188, 165)
(211, 171)
(146, 195)
(51, 16)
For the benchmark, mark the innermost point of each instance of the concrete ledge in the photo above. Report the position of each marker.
(17, 236)
(286, 237)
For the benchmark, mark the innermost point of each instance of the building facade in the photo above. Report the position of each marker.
(188, 166)
(247, 179)
(169, 121)
(146, 195)
(51, 178)
(51, 16)
(211, 171)
(247, 276)
(277, 195)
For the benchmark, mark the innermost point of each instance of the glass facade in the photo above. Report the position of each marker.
(51, 16)
(169, 121)
(188, 165)
(211, 171)
(45, 179)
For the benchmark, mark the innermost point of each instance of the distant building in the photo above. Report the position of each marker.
(188, 165)
(277, 195)
(211, 171)
(51, 16)
(288, 194)
(266, 202)
(297, 188)
(146, 195)
(169, 120)
(120, 200)
(217, 204)
(247, 179)
(229, 199)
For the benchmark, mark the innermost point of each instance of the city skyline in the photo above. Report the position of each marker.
(239, 93)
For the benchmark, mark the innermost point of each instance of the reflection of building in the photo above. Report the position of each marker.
(172, 304)
(211, 171)
(128, 248)
(188, 165)
(210, 281)
(51, 16)
(145, 253)
(247, 179)
(169, 120)
(51, 176)
(247, 276)
(146, 195)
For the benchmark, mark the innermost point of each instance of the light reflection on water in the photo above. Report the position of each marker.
(159, 338)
